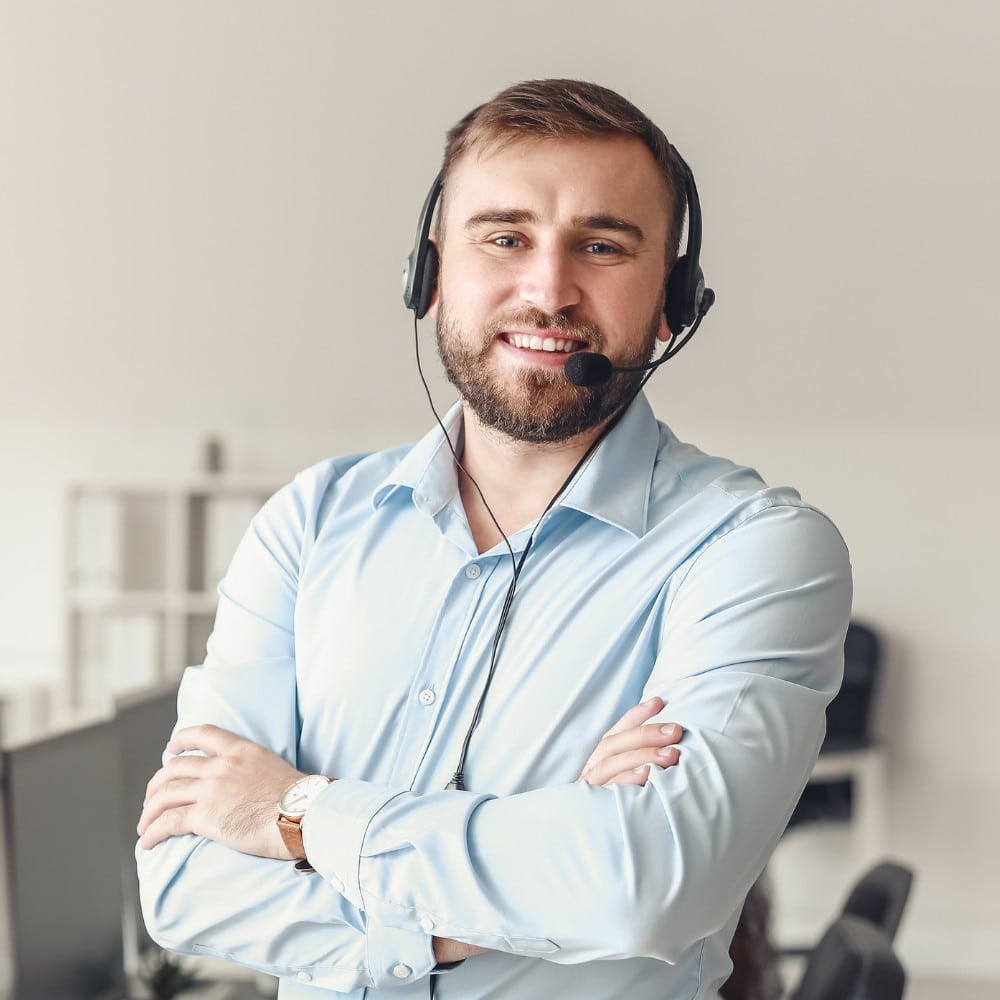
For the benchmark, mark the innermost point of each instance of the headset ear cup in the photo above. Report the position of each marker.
(428, 280)
(681, 305)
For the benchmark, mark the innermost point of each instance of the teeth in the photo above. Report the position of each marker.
(536, 343)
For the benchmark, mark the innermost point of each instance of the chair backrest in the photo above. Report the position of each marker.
(849, 715)
(854, 960)
(880, 896)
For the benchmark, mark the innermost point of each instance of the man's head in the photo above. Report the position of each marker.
(561, 217)
(553, 109)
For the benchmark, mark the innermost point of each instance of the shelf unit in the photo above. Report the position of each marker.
(143, 563)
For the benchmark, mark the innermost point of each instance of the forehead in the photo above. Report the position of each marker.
(560, 178)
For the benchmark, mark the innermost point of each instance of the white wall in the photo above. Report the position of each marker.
(203, 212)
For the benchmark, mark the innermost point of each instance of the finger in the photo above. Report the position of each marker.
(206, 737)
(634, 776)
(180, 767)
(638, 714)
(174, 823)
(654, 734)
(651, 736)
(622, 768)
(175, 795)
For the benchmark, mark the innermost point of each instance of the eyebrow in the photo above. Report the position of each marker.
(515, 216)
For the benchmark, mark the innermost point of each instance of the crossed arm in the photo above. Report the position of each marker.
(748, 667)
(222, 787)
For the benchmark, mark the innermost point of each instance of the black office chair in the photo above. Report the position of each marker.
(854, 960)
(849, 715)
(880, 896)
(848, 726)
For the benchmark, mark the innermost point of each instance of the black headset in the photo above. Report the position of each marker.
(685, 286)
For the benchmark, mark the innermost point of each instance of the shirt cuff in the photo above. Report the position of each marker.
(333, 833)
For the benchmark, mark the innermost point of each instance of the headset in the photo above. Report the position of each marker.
(685, 300)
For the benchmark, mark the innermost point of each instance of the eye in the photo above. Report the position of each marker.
(598, 248)
(506, 240)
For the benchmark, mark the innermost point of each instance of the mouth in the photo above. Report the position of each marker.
(544, 341)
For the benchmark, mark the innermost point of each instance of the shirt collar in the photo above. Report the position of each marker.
(428, 468)
(613, 484)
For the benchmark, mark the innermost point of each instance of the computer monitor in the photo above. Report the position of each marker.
(62, 864)
(143, 723)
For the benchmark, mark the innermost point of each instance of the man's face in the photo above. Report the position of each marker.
(549, 247)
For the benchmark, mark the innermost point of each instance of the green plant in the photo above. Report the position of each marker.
(166, 977)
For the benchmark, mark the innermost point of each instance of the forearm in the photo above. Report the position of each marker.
(199, 897)
(573, 873)
(576, 873)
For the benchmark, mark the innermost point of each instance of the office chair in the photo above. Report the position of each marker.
(848, 726)
(880, 896)
(849, 715)
(854, 960)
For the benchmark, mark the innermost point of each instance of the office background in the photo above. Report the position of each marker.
(203, 213)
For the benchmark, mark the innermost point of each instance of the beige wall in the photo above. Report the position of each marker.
(203, 212)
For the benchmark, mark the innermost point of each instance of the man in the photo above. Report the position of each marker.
(365, 609)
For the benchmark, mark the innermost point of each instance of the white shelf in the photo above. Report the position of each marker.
(109, 601)
(143, 562)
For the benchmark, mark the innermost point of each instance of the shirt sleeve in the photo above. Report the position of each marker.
(199, 897)
(751, 652)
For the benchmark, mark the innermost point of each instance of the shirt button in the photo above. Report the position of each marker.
(401, 971)
(473, 571)
(427, 924)
(426, 697)
(304, 977)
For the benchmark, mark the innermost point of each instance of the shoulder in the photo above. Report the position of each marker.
(330, 487)
(711, 497)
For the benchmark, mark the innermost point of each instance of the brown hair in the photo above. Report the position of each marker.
(561, 108)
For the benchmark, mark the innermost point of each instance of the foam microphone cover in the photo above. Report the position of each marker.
(587, 369)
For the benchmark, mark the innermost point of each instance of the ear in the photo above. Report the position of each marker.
(663, 332)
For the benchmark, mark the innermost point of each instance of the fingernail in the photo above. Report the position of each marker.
(642, 768)
(666, 751)
(669, 729)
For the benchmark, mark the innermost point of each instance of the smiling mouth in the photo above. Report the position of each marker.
(553, 345)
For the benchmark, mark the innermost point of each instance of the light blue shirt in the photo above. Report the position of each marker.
(353, 637)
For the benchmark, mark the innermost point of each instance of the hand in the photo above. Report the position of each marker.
(228, 793)
(622, 757)
(628, 749)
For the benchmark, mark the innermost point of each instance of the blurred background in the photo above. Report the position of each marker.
(204, 209)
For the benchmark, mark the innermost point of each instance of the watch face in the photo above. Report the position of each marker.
(296, 799)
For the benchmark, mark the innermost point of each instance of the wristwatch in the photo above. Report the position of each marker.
(292, 806)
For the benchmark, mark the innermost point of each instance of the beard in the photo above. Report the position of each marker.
(537, 405)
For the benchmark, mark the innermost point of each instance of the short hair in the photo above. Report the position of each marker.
(553, 109)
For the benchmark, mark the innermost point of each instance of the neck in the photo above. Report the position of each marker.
(518, 479)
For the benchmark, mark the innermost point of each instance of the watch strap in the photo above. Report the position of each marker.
(291, 834)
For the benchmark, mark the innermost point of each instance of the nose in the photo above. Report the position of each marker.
(548, 280)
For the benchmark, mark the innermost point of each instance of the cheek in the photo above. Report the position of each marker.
(475, 287)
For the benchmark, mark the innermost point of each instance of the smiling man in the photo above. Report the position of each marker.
(400, 771)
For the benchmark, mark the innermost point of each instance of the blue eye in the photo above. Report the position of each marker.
(601, 249)
(506, 241)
